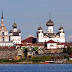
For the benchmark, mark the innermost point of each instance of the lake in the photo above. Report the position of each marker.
(35, 67)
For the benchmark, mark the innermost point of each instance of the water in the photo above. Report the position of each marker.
(35, 67)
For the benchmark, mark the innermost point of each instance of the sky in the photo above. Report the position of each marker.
(28, 14)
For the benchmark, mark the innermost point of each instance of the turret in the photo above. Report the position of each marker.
(40, 34)
(62, 34)
(11, 32)
(14, 27)
(50, 25)
(61, 29)
(19, 32)
(2, 22)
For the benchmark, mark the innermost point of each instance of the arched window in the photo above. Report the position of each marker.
(2, 38)
(3, 33)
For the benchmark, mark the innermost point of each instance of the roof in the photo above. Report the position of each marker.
(40, 28)
(51, 41)
(61, 28)
(14, 25)
(50, 23)
(2, 14)
(68, 44)
(35, 44)
(61, 44)
(29, 40)
(19, 31)
(10, 31)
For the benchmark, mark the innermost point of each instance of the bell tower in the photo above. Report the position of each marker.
(2, 22)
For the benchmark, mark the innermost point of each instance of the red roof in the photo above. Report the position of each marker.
(61, 44)
(70, 56)
(35, 44)
(68, 44)
(6, 47)
(29, 40)
(51, 41)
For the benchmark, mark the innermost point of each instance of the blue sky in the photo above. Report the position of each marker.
(28, 14)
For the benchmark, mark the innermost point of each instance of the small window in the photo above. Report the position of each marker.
(3, 33)
(3, 39)
(51, 45)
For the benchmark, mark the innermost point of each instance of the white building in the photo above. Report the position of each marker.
(15, 35)
(4, 37)
(50, 35)
(54, 45)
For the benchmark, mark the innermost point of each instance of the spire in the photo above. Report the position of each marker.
(2, 14)
(50, 16)
(40, 28)
(2, 22)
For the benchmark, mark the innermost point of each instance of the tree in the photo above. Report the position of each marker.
(67, 50)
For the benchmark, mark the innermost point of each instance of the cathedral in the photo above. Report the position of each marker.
(50, 34)
(14, 36)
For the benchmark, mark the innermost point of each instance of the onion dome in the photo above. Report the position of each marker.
(40, 28)
(61, 28)
(50, 23)
(14, 25)
(10, 31)
(19, 31)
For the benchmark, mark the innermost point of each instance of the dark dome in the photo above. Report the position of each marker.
(14, 25)
(40, 28)
(10, 31)
(19, 31)
(50, 22)
(61, 28)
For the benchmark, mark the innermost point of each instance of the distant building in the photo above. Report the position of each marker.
(50, 35)
(4, 37)
(15, 35)
(29, 40)
(29, 52)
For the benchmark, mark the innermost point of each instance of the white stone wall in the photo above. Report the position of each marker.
(50, 29)
(16, 39)
(51, 45)
(6, 44)
(60, 46)
(15, 30)
(61, 40)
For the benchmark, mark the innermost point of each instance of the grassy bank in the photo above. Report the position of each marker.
(34, 60)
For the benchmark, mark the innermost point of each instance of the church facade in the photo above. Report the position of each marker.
(14, 36)
(50, 34)
(4, 36)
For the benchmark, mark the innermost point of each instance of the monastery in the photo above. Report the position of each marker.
(14, 36)
(50, 34)
(45, 42)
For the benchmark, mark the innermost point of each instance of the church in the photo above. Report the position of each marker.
(11, 38)
(15, 35)
(50, 34)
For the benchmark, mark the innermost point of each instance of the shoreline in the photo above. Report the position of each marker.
(30, 63)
